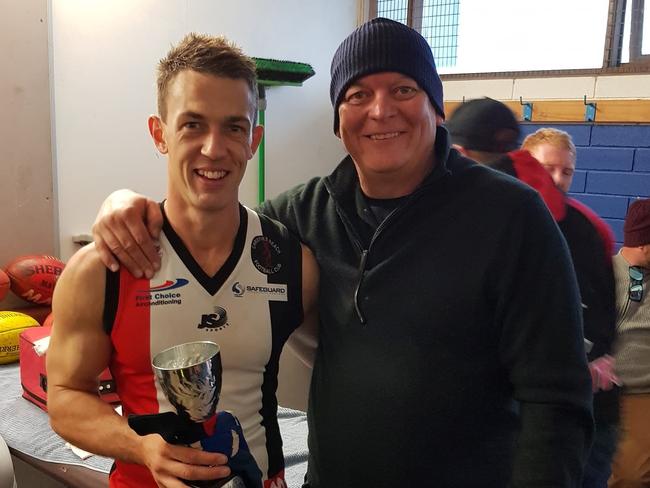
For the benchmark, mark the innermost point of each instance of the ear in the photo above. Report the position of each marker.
(157, 131)
(439, 119)
(257, 133)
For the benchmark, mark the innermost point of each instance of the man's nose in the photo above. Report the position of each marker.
(214, 146)
(382, 106)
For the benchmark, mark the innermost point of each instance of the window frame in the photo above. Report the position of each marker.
(639, 63)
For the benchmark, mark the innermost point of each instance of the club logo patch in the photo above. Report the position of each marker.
(265, 255)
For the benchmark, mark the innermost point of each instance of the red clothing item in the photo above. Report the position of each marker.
(528, 170)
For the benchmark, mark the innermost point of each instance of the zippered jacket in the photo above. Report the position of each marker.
(450, 345)
(590, 243)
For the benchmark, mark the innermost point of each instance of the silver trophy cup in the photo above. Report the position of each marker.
(190, 376)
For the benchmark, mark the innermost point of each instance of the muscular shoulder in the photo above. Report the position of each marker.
(82, 283)
(84, 266)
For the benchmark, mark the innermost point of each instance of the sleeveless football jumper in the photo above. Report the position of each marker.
(250, 307)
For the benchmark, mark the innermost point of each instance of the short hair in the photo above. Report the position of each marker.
(214, 55)
(554, 137)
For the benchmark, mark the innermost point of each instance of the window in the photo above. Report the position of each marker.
(630, 32)
(480, 36)
(436, 20)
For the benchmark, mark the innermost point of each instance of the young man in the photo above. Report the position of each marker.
(227, 275)
(486, 130)
(631, 467)
(451, 349)
(555, 151)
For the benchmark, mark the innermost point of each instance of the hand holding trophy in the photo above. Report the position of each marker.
(190, 376)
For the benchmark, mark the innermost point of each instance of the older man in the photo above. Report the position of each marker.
(451, 349)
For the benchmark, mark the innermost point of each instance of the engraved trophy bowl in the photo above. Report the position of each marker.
(190, 376)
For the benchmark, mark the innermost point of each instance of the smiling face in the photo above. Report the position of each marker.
(208, 136)
(388, 126)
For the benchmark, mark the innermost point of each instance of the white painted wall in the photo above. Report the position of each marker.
(566, 88)
(104, 58)
(26, 208)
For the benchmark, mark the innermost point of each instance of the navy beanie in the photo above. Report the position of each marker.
(382, 45)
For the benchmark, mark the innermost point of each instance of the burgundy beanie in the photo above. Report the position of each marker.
(384, 45)
(637, 224)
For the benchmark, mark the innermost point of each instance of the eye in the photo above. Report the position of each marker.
(567, 172)
(237, 129)
(355, 96)
(405, 91)
(191, 125)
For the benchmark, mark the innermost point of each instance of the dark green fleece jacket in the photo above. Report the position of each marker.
(451, 351)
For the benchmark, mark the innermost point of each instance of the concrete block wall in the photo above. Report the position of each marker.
(612, 168)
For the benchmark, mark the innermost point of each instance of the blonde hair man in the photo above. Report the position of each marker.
(555, 150)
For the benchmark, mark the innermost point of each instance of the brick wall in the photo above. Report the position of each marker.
(612, 168)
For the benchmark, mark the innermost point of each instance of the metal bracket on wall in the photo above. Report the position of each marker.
(527, 112)
(590, 110)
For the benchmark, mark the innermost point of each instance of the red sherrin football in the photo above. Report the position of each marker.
(4, 284)
(33, 277)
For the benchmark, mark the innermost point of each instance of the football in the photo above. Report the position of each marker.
(4, 284)
(33, 277)
(11, 325)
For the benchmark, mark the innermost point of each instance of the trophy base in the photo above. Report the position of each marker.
(231, 482)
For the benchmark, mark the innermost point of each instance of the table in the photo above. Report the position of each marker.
(26, 430)
(67, 474)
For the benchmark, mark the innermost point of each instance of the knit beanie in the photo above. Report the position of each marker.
(636, 229)
(383, 45)
(484, 124)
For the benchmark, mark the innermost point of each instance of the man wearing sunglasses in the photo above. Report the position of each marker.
(631, 467)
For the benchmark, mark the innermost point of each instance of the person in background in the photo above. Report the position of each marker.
(556, 152)
(631, 467)
(487, 131)
(228, 276)
(450, 342)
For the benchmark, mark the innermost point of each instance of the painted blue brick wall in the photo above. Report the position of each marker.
(612, 169)
(642, 160)
(606, 158)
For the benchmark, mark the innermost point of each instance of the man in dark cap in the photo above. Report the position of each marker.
(487, 131)
(631, 467)
(450, 346)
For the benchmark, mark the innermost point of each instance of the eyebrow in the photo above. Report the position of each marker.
(231, 119)
(192, 115)
(401, 79)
